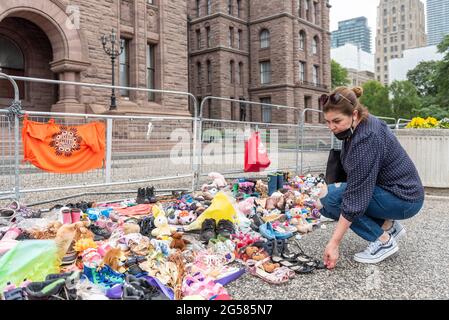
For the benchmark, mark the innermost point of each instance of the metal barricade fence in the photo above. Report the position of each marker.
(402, 123)
(221, 142)
(138, 149)
(315, 143)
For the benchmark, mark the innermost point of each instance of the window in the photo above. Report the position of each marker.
(124, 68)
(231, 71)
(242, 106)
(302, 71)
(402, 8)
(239, 8)
(209, 72)
(240, 76)
(394, 28)
(306, 6)
(239, 39)
(394, 10)
(231, 37)
(385, 68)
(300, 8)
(307, 105)
(150, 71)
(198, 39)
(209, 6)
(315, 13)
(402, 37)
(378, 60)
(316, 75)
(315, 45)
(385, 50)
(198, 73)
(385, 40)
(12, 62)
(302, 40)
(208, 38)
(230, 7)
(234, 115)
(264, 38)
(266, 110)
(265, 72)
(385, 12)
(198, 6)
(403, 47)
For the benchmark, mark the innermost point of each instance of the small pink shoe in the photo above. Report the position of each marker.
(66, 215)
(75, 215)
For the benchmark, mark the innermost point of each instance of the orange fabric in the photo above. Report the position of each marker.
(63, 149)
(139, 210)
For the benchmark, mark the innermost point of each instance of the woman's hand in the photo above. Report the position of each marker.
(331, 255)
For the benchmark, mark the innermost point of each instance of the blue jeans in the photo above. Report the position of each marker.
(383, 206)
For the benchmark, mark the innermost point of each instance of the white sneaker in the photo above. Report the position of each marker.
(397, 230)
(377, 251)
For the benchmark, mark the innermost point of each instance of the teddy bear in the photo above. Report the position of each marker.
(160, 221)
(178, 242)
(276, 201)
(115, 258)
(290, 200)
(129, 228)
(261, 188)
(218, 182)
(270, 267)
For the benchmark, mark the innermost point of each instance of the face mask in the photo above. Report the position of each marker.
(345, 134)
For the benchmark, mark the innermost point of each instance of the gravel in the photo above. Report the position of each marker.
(418, 271)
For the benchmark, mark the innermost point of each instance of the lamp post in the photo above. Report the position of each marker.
(113, 53)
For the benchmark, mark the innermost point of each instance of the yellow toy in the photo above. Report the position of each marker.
(84, 244)
(221, 209)
(163, 229)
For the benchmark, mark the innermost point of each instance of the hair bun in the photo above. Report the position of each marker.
(358, 91)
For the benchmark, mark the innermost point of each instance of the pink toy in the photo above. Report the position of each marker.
(246, 206)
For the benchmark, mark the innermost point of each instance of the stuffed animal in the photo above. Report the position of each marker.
(261, 188)
(218, 179)
(84, 244)
(178, 242)
(246, 206)
(290, 200)
(321, 195)
(276, 201)
(115, 258)
(160, 221)
(270, 267)
(129, 228)
(68, 233)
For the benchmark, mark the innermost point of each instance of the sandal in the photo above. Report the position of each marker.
(302, 257)
(278, 276)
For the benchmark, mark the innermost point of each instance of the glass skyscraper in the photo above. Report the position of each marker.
(437, 21)
(355, 31)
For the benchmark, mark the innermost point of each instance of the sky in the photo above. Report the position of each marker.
(348, 9)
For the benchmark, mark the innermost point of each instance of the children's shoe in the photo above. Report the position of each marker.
(140, 196)
(377, 251)
(66, 215)
(14, 294)
(208, 230)
(225, 228)
(45, 290)
(149, 195)
(272, 183)
(75, 214)
(280, 180)
(397, 230)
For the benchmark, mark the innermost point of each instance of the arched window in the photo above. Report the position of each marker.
(315, 45)
(302, 40)
(264, 38)
(12, 62)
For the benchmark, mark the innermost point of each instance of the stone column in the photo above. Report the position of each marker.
(68, 100)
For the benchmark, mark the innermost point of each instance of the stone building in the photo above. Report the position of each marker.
(265, 51)
(274, 52)
(60, 39)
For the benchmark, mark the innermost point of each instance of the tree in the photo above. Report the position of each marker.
(443, 74)
(405, 99)
(339, 75)
(432, 111)
(424, 78)
(375, 98)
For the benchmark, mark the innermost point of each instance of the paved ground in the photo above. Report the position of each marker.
(420, 270)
